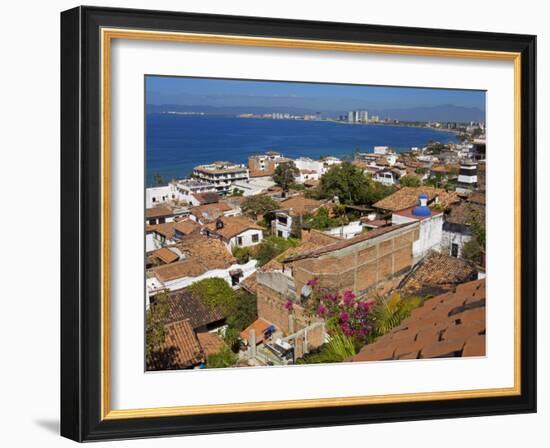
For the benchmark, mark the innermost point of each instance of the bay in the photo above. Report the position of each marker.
(177, 143)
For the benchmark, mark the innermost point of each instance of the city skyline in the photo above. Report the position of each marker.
(330, 99)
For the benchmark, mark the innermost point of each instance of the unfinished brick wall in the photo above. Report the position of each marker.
(271, 307)
(366, 267)
(359, 267)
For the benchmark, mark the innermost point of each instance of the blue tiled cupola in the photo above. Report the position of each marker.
(422, 209)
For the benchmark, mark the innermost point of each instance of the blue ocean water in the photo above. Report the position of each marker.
(177, 143)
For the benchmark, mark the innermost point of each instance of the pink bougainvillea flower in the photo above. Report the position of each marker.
(349, 297)
(289, 306)
(365, 305)
(344, 317)
(313, 282)
(321, 311)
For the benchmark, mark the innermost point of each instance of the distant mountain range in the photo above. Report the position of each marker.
(444, 112)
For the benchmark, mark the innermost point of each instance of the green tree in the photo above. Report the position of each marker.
(474, 250)
(238, 307)
(410, 181)
(351, 185)
(214, 292)
(253, 206)
(224, 358)
(389, 313)
(338, 349)
(421, 170)
(155, 316)
(435, 181)
(321, 220)
(271, 247)
(242, 254)
(285, 175)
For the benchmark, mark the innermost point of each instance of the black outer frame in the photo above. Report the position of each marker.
(80, 224)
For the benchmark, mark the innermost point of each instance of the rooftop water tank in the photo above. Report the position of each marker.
(422, 209)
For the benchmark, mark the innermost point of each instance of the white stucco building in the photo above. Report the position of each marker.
(253, 186)
(160, 280)
(431, 226)
(158, 195)
(235, 231)
(221, 174)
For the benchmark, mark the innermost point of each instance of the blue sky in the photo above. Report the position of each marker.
(317, 97)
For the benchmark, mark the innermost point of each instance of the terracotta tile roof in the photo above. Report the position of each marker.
(187, 226)
(276, 263)
(207, 198)
(184, 268)
(209, 252)
(408, 197)
(322, 238)
(165, 255)
(315, 239)
(477, 197)
(180, 350)
(300, 205)
(165, 229)
(464, 213)
(182, 305)
(209, 212)
(346, 243)
(210, 343)
(259, 326)
(438, 272)
(449, 325)
(250, 283)
(158, 212)
(232, 226)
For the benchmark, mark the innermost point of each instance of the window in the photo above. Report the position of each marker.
(154, 199)
(239, 241)
(280, 233)
(282, 220)
(255, 238)
(454, 250)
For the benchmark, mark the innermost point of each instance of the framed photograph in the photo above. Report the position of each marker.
(277, 224)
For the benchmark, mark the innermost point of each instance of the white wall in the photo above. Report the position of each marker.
(448, 238)
(157, 195)
(348, 231)
(248, 269)
(30, 396)
(430, 236)
(247, 238)
(285, 229)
